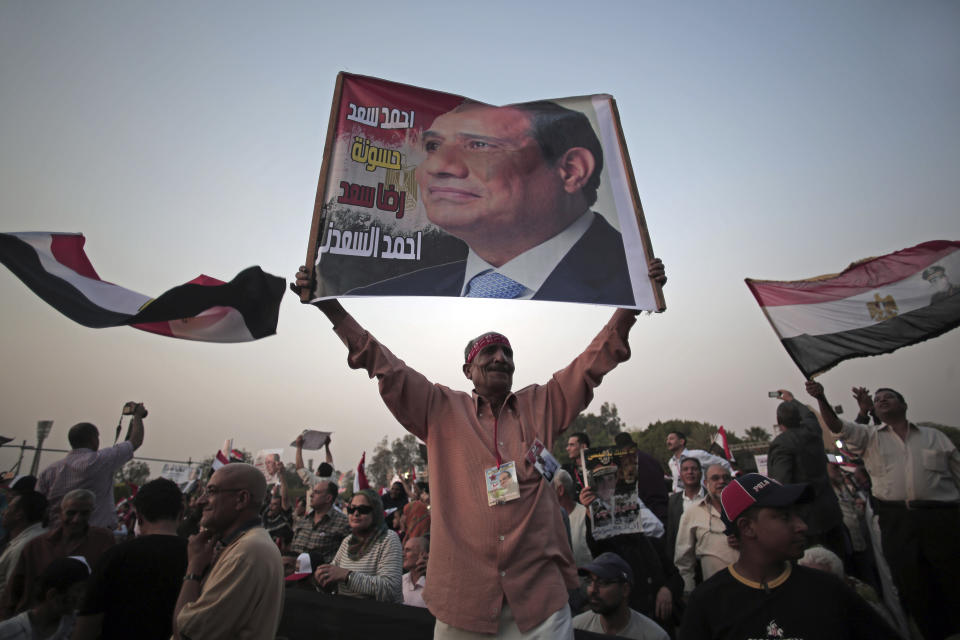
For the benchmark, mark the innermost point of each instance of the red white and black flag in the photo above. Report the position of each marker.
(224, 455)
(874, 306)
(56, 268)
(360, 478)
(721, 440)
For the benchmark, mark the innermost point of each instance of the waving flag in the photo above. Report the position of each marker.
(56, 268)
(223, 456)
(360, 478)
(721, 440)
(874, 306)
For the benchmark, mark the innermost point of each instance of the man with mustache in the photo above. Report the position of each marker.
(516, 184)
(916, 481)
(495, 568)
(762, 594)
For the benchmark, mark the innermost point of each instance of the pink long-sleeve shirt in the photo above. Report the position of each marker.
(481, 555)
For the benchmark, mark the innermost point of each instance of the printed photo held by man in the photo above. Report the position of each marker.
(516, 184)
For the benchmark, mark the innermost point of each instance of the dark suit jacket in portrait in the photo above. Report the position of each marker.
(593, 271)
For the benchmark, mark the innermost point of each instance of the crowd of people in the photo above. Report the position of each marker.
(811, 549)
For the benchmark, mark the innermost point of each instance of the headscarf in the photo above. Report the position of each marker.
(417, 517)
(356, 548)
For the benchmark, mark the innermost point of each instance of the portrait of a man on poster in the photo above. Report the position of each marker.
(424, 193)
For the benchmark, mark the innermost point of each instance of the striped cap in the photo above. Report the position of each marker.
(755, 490)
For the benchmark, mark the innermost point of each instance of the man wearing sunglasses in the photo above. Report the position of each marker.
(240, 592)
(513, 551)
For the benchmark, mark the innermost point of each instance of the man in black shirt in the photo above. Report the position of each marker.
(762, 595)
(135, 584)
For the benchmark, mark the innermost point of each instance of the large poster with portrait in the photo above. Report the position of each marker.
(425, 193)
(612, 474)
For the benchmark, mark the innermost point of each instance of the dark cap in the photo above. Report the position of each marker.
(608, 566)
(755, 490)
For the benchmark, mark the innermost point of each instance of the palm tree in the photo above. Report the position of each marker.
(758, 433)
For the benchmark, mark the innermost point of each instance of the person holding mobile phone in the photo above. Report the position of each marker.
(416, 551)
(89, 467)
(796, 456)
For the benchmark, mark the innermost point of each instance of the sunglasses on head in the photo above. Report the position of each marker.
(362, 509)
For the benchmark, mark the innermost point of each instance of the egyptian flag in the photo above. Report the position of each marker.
(223, 456)
(874, 306)
(56, 268)
(721, 440)
(360, 479)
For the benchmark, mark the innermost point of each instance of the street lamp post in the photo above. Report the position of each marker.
(43, 430)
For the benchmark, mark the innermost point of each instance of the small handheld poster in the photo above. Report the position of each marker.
(502, 485)
(542, 460)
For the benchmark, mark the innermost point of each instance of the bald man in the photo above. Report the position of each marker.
(239, 594)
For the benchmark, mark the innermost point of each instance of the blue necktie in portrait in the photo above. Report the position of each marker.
(491, 284)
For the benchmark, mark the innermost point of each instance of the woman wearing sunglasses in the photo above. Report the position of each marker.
(369, 562)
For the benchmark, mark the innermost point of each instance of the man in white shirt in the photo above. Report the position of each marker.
(677, 444)
(89, 467)
(415, 555)
(692, 476)
(701, 536)
(916, 481)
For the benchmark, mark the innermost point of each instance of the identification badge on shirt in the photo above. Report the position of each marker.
(542, 460)
(502, 485)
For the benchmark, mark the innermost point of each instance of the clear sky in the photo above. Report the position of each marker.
(769, 140)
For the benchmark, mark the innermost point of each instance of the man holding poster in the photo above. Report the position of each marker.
(515, 554)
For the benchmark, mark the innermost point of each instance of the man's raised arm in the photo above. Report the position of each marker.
(135, 435)
(330, 308)
(298, 461)
(830, 418)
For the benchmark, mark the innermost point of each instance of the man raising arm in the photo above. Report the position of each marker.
(916, 480)
(89, 467)
(518, 558)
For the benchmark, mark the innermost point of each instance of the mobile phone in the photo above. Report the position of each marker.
(774, 394)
